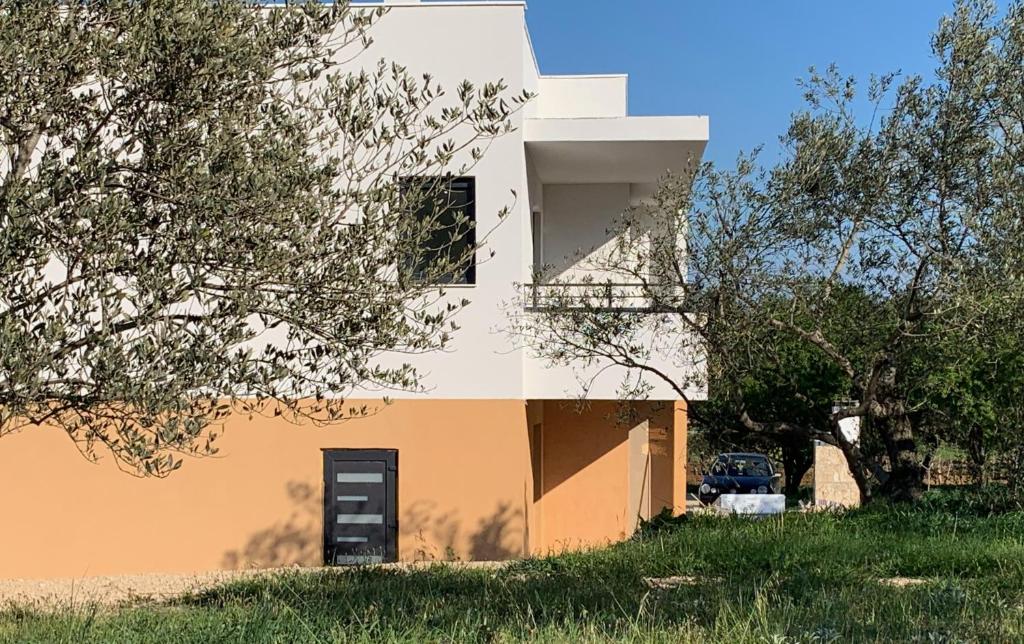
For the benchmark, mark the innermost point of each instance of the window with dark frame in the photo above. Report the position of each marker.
(452, 208)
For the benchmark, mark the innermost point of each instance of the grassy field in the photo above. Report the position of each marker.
(941, 572)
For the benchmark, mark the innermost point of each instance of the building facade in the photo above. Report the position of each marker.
(497, 458)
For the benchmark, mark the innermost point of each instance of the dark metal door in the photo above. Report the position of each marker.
(360, 506)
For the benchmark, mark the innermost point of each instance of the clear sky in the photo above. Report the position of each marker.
(734, 60)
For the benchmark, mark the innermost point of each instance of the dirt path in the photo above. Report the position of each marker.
(111, 590)
(118, 589)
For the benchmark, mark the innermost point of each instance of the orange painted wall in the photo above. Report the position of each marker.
(586, 476)
(465, 490)
(586, 473)
(467, 476)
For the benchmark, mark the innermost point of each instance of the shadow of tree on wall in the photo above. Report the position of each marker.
(438, 535)
(432, 534)
(295, 540)
(498, 536)
(433, 531)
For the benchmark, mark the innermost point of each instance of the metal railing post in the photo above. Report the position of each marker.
(632, 298)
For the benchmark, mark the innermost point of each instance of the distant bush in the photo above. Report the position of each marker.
(983, 501)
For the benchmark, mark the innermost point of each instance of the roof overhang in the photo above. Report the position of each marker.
(632, 149)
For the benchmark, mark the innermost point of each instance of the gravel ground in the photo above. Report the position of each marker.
(120, 589)
(111, 590)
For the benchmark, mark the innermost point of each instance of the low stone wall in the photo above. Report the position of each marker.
(946, 472)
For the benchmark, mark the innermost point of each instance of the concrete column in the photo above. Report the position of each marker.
(534, 492)
(679, 426)
(639, 475)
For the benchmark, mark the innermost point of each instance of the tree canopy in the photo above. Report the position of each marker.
(882, 241)
(203, 210)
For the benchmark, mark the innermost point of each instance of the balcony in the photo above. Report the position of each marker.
(659, 333)
(601, 297)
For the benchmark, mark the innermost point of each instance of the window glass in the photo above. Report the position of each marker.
(449, 213)
(749, 466)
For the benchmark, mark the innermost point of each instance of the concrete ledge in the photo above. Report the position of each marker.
(679, 129)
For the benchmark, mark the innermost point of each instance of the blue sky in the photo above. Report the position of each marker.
(734, 60)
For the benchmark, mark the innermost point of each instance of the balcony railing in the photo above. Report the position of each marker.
(601, 296)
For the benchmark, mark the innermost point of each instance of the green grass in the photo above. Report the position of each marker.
(799, 578)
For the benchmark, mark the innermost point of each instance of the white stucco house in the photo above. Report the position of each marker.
(493, 459)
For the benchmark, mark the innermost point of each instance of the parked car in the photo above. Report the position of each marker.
(738, 473)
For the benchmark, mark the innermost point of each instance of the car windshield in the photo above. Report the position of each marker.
(744, 466)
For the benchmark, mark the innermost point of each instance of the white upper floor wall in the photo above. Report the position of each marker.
(575, 161)
(575, 97)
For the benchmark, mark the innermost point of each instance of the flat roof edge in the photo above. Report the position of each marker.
(584, 75)
(653, 129)
(450, 3)
(628, 117)
(621, 121)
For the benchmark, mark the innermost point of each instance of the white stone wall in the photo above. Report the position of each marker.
(833, 483)
(487, 41)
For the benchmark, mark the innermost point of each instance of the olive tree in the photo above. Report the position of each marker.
(788, 383)
(204, 210)
(970, 388)
(915, 203)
